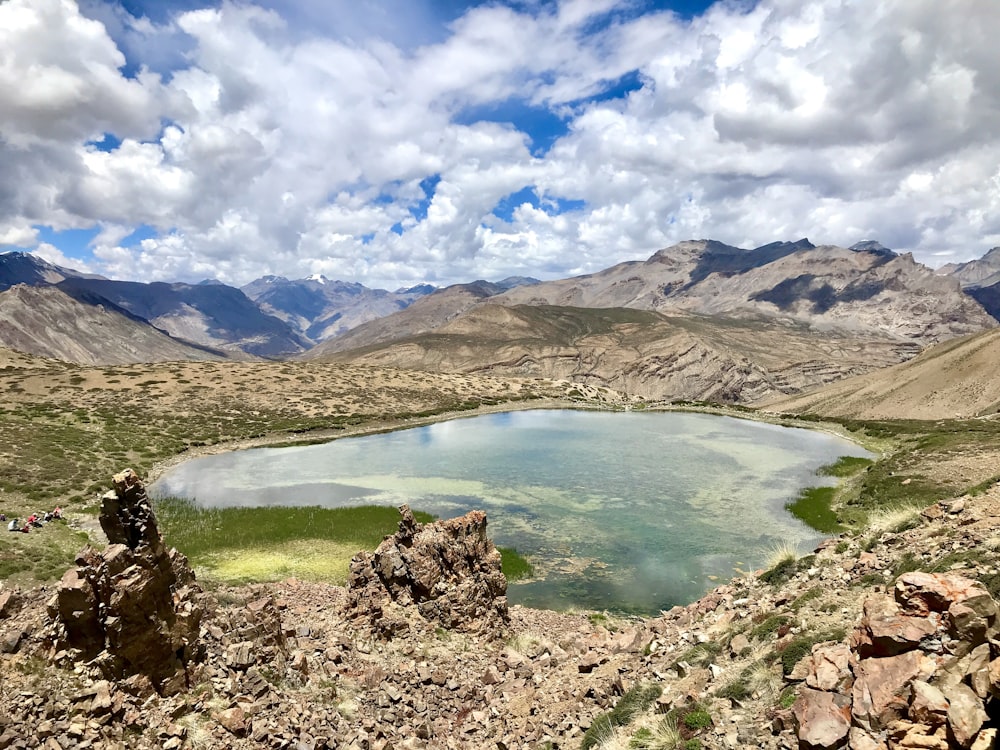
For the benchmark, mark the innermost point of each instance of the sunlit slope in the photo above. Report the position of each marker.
(954, 379)
(44, 321)
(638, 351)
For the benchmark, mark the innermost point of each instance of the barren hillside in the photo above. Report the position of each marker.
(954, 379)
(44, 321)
(640, 352)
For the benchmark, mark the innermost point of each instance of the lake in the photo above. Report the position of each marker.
(626, 511)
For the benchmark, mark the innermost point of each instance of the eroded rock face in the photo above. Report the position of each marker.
(134, 606)
(449, 570)
(923, 672)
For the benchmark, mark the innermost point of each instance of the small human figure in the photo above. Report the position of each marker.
(3, 517)
(48, 516)
(57, 513)
(26, 528)
(13, 525)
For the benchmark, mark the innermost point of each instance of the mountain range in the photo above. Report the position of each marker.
(700, 319)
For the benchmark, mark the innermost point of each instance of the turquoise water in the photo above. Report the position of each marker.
(632, 511)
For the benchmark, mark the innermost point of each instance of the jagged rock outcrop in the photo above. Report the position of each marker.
(449, 570)
(134, 607)
(922, 671)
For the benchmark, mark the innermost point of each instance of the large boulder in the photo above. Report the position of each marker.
(923, 671)
(134, 607)
(448, 570)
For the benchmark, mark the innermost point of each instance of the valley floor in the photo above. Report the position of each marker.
(310, 675)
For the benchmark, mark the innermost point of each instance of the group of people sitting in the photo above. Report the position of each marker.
(35, 519)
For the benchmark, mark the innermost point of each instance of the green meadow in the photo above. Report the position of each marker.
(240, 545)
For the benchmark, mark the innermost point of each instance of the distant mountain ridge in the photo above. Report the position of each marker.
(980, 272)
(319, 309)
(707, 320)
(640, 352)
(866, 289)
(214, 315)
(863, 288)
(45, 321)
(26, 268)
(272, 317)
(719, 322)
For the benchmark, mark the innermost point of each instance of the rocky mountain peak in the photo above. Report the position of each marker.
(417, 289)
(981, 272)
(18, 267)
(872, 246)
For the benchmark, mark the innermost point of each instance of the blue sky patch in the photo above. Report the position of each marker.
(506, 206)
(140, 233)
(558, 206)
(542, 126)
(74, 243)
(619, 89)
(419, 209)
(107, 142)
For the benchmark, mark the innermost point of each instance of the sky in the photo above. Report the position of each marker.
(407, 141)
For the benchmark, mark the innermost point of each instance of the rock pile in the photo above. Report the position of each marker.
(449, 569)
(921, 671)
(133, 607)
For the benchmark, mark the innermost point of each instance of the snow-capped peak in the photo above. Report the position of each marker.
(318, 277)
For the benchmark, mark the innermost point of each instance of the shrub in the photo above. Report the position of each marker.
(769, 626)
(697, 719)
(634, 701)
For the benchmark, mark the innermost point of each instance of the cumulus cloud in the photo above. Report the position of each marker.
(281, 138)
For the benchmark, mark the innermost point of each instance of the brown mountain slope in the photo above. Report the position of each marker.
(954, 379)
(46, 322)
(869, 289)
(636, 351)
(423, 316)
(867, 292)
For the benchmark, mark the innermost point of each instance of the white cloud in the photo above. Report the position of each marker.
(265, 146)
(54, 255)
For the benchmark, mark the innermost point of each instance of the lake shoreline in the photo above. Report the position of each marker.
(376, 427)
(764, 465)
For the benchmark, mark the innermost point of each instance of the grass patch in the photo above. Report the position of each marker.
(238, 545)
(981, 488)
(516, 567)
(634, 702)
(802, 646)
(845, 466)
(786, 567)
(907, 564)
(814, 505)
(274, 542)
(40, 556)
(700, 654)
(308, 559)
(814, 593)
(814, 508)
(770, 626)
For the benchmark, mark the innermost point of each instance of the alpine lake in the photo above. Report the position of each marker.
(623, 511)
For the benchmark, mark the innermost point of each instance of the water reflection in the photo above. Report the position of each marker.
(632, 511)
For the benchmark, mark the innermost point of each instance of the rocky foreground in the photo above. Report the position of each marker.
(855, 646)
